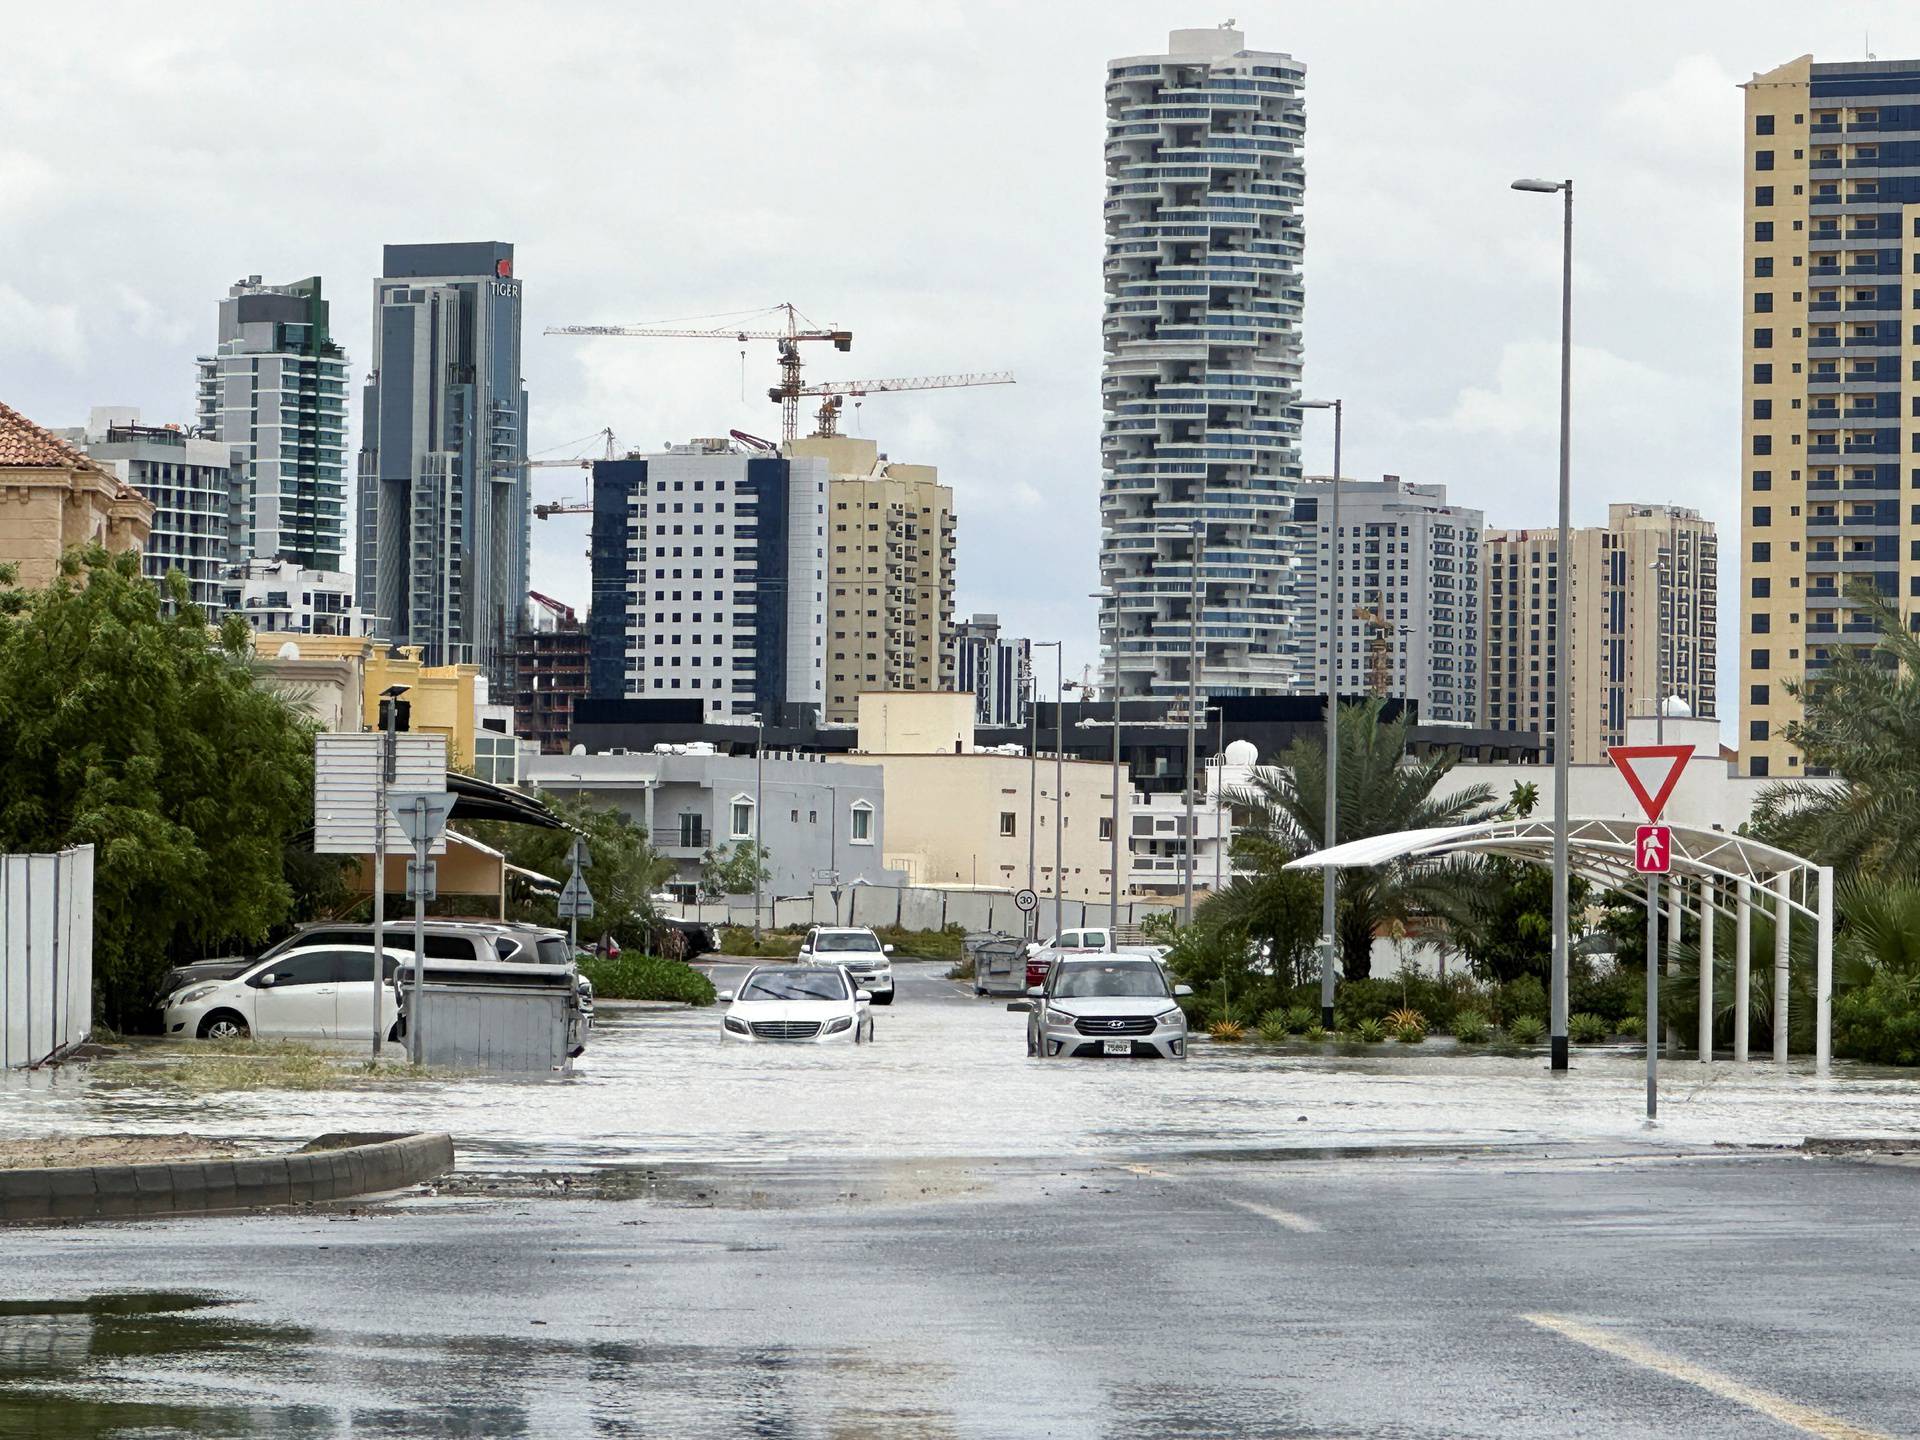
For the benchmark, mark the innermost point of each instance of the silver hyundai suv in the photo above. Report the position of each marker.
(1120, 1005)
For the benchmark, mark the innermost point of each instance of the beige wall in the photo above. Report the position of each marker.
(911, 722)
(890, 546)
(44, 512)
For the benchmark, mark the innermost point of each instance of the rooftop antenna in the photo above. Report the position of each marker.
(1867, 44)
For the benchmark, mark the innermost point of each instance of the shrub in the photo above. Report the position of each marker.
(1313, 1034)
(947, 944)
(1587, 1029)
(1608, 993)
(1410, 1034)
(1522, 998)
(1878, 1021)
(1273, 1029)
(1632, 1026)
(772, 944)
(1470, 1027)
(1367, 1000)
(1407, 1020)
(1228, 1030)
(633, 976)
(1299, 1018)
(1369, 1031)
(1526, 1029)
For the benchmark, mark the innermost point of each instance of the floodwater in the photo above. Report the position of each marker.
(948, 1076)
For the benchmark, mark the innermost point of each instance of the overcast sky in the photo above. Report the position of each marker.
(929, 175)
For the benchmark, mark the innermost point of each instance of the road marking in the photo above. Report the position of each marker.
(1300, 1224)
(1775, 1407)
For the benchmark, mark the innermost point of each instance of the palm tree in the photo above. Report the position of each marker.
(1382, 791)
(1861, 723)
(1523, 798)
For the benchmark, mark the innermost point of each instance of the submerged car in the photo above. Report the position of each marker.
(1107, 1005)
(321, 993)
(799, 1005)
(857, 948)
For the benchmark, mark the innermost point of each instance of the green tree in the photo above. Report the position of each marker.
(1521, 801)
(623, 871)
(733, 869)
(144, 734)
(1861, 724)
(1500, 912)
(1382, 791)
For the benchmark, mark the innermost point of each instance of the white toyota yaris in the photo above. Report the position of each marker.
(797, 1005)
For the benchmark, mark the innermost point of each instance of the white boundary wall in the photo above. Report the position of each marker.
(916, 907)
(46, 954)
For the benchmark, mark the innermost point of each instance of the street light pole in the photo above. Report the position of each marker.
(1195, 550)
(389, 763)
(1563, 636)
(1059, 783)
(759, 852)
(1033, 790)
(1329, 877)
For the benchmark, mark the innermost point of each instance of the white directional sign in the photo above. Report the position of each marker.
(346, 782)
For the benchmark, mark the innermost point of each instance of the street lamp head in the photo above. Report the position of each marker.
(394, 692)
(1542, 187)
(1318, 404)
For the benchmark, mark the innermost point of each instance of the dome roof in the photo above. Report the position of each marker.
(1676, 708)
(1243, 752)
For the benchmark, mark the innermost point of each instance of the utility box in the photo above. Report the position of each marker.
(501, 1018)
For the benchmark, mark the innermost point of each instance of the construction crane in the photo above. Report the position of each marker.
(787, 392)
(583, 462)
(836, 391)
(1379, 648)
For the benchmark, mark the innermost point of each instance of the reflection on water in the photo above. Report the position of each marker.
(948, 1077)
(157, 1365)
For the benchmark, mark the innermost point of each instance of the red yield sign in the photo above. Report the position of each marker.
(1651, 772)
(1652, 849)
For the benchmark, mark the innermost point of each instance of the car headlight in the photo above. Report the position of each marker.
(1175, 1016)
(198, 992)
(834, 1027)
(1059, 1017)
(738, 1027)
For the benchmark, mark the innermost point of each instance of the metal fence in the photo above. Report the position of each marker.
(46, 954)
(917, 907)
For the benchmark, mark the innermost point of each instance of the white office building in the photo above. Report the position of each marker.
(1407, 618)
(709, 580)
(278, 596)
(1204, 241)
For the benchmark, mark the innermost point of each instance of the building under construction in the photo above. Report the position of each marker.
(549, 673)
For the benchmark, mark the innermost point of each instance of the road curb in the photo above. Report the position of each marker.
(333, 1167)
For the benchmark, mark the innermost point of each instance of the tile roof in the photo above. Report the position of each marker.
(24, 444)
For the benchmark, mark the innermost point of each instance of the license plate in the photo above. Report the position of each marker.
(1116, 1047)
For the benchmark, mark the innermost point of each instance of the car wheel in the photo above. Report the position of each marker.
(223, 1025)
(869, 1032)
(886, 999)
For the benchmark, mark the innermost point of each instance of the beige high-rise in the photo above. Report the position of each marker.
(889, 574)
(1645, 622)
(1830, 374)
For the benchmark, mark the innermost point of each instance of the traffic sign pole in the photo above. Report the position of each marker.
(1653, 995)
(1653, 857)
(422, 814)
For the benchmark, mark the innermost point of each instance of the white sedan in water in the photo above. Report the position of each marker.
(797, 1005)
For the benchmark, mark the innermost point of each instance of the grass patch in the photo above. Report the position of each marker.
(947, 944)
(261, 1065)
(632, 976)
(772, 944)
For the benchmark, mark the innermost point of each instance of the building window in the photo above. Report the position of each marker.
(1763, 444)
(1762, 516)
(1757, 729)
(1106, 826)
(1763, 480)
(1763, 409)
(495, 758)
(1759, 694)
(1762, 551)
(1762, 588)
(1757, 766)
(1763, 159)
(741, 818)
(1763, 339)
(1762, 660)
(1763, 124)
(862, 823)
(1763, 230)
(1763, 195)
(1008, 825)
(1763, 302)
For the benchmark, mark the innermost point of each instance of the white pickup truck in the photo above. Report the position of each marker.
(1085, 940)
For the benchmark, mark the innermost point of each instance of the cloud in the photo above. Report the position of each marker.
(1524, 398)
(31, 328)
(1693, 115)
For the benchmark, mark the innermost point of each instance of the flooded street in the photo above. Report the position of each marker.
(948, 1076)
(934, 1238)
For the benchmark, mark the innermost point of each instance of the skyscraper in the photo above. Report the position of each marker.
(709, 581)
(1830, 377)
(275, 391)
(1407, 616)
(445, 515)
(999, 671)
(1205, 182)
(1645, 600)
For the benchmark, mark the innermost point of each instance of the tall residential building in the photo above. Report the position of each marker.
(1205, 182)
(445, 516)
(188, 479)
(890, 542)
(550, 673)
(275, 390)
(708, 580)
(1407, 616)
(998, 672)
(58, 499)
(1829, 377)
(1645, 603)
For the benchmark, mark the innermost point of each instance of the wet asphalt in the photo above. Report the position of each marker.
(1107, 1277)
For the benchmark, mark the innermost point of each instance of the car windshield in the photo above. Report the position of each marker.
(794, 985)
(1087, 982)
(829, 942)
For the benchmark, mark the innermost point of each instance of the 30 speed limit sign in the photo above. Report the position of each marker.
(1026, 900)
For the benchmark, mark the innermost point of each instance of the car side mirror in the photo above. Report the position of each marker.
(1033, 947)
(863, 995)
(886, 949)
(268, 978)
(1024, 1007)
(1180, 990)
(725, 996)
(1036, 991)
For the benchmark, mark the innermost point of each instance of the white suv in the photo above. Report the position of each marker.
(857, 948)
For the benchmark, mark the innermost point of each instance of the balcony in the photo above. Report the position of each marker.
(681, 840)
